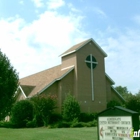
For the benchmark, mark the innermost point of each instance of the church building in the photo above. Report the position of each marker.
(81, 73)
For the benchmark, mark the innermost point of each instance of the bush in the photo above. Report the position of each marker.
(22, 112)
(87, 117)
(85, 124)
(73, 124)
(70, 109)
(35, 112)
(31, 124)
(78, 124)
(38, 120)
(61, 124)
(113, 103)
(6, 124)
(43, 109)
(55, 117)
(93, 123)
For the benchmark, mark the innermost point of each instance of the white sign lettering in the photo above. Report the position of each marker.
(115, 128)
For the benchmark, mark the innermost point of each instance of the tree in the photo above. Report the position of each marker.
(124, 92)
(138, 94)
(133, 103)
(71, 108)
(8, 85)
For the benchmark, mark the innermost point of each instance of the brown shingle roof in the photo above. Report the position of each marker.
(80, 45)
(42, 79)
(75, 47)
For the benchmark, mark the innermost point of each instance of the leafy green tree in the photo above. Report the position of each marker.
(124, 92)
(8, 85)
(138, 94)
(21, 113)
(133, 103)
(71, 108)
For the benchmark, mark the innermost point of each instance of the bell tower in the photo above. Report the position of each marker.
(89, 74)
(91, 83)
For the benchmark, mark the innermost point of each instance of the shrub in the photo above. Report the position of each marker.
(78, 124)
(93, 123)
(55, 117)
(113, 103)
(31, 124)
(38, 120)
(87, 117)
(70, 109)
(6, 124)
(22, 112)
(61, 124)
(44, 107)
(84, 124)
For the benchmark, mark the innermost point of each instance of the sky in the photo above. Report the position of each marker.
(34, 33)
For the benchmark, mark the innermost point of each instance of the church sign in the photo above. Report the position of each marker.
(114, 128)
(118, 124)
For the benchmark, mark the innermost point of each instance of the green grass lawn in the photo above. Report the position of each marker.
(49, 134)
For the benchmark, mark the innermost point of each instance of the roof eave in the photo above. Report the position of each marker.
(55, 80)
(110, 78)
(99, 47)
(118, 93)
(22, 91)
(68, 53)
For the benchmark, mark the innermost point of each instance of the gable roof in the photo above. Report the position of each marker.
(37, 83)
(117, 111)
(80, 45)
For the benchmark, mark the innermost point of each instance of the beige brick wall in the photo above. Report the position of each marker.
(69, 60)
(108, 90)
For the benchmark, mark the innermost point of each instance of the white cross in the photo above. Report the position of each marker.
(91, 62)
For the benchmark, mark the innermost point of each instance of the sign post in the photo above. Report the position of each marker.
(118, 123)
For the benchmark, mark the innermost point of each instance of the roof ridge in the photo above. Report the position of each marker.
(78, 44)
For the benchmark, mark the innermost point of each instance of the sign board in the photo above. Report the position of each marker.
(115, 128)
(118, 123)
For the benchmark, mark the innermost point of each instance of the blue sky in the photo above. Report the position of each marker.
(35, 32)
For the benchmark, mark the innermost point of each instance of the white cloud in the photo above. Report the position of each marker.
(36, 46)
(122, 63)
(72, 8)
(38, 3)
(58, 27)
(54, 4)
